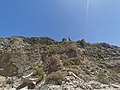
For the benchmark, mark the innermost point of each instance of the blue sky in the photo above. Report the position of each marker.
(100, 22)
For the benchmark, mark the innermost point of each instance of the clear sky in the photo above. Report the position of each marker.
(95, 21)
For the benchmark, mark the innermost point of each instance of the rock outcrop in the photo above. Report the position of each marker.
(41, 63)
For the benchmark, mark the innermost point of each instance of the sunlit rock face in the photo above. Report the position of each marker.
(43, 63)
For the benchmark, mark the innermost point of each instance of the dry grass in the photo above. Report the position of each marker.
(57, 77)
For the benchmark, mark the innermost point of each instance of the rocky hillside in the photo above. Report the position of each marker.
(41, 63)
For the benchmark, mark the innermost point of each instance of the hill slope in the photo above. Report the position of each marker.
(45, 64)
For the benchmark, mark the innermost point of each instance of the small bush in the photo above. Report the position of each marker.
(54, 64)
(71, 61)
(102, 77)
(114, 76)
(74, 70)
(39, 72)
(38, 69)
(56, 77)
(67, 63)
(88, 78)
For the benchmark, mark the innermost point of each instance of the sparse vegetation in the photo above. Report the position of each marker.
(88, 78)
(38, 70)
(56, 77)
(102, 77)
(54, 61)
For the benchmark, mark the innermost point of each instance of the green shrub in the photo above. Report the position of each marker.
(39, 72)
(38, 69)
(102, 77)
(87, 78)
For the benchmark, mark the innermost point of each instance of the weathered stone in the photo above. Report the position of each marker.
(85, 66)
